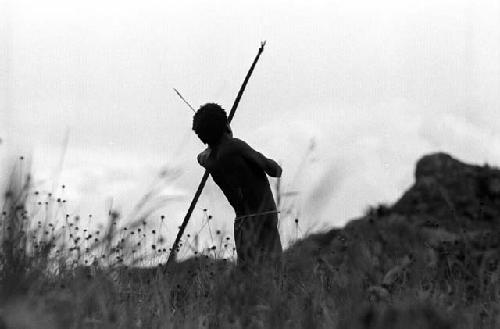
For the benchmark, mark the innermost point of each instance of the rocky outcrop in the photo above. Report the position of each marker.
(444, 228)
(452, 194)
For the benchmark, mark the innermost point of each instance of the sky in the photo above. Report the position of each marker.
(347, 96)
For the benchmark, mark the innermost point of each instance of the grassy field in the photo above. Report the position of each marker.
(380, 271)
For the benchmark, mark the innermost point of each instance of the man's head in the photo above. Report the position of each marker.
(210, 123)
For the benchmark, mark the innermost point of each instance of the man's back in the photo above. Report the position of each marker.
(240, 172)
(237, 169)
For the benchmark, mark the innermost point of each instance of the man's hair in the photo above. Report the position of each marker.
(209, 123)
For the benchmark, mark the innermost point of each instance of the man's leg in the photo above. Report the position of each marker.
(269, 238)
(244, 239)
(257, 240)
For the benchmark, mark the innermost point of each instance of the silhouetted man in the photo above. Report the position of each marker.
(240, 172)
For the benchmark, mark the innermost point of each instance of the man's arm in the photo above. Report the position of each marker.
(269, 166)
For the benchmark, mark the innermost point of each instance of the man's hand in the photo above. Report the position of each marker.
(279, 170)
(203, 157)
(272, 168)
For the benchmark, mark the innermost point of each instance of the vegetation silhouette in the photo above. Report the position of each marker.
(430, 260)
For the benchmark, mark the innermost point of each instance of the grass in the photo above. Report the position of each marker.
(380, 271)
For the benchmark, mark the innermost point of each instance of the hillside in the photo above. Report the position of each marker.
(430, 260)
(448, 198)
(441, 238)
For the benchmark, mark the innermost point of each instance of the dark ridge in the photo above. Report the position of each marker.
(450, 214)
(452, 194)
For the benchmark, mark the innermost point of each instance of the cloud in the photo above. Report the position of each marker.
(467, 140)
(371, 86)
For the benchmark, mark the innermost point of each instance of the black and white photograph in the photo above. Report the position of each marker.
(206, 164)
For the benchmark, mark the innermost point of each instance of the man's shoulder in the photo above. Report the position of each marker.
(239, 146)
(232, 147)
(237, 143)
(203, 157)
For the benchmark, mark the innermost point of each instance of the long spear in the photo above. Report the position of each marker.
(175, 246)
